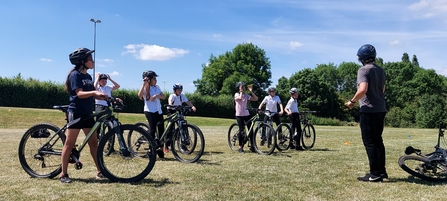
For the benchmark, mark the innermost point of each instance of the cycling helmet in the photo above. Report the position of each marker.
(80, 55)
(366, 51)
(270, 89)
(293, 90)
(177, 86)
(103, 76)
(240, 84)
(149, 74)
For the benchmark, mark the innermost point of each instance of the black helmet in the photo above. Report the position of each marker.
(103, 76)
(366, 51)
(79, 55)
(177, 86)
(293, 90)
(149, 74)
(239, 84)
(270, 89)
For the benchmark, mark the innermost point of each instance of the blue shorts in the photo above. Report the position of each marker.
(79, 121)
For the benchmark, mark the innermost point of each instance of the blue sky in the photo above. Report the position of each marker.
(175, 38)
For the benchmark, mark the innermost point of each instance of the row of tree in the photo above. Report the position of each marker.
(415, 97)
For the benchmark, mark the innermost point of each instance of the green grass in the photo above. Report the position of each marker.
(326, 172)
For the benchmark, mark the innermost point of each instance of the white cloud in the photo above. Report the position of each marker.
(45, 59)
(108, 60)
(294, 44)
(153, 52)
(217, 35)
(114, 73)
(429, 8)
(394, 42)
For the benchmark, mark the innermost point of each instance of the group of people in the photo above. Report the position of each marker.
(82, 93)
(271, 102)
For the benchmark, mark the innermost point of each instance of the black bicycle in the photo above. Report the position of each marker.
(430, 167)
(261, 137)
(285, 135)
(187, 141)
(40, 148)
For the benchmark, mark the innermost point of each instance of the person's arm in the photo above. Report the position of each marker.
(260, 105)
(191, 105)
(253, 95)
(96, 84)
(287, 109)
(143, 89)
(86, 94)
(361, 91)
(161, 95)
(115, 84)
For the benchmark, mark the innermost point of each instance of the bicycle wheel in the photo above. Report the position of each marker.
(233, 139)
(143, 125)
(283, 134)
(129, 165)
(40, 151)
(188, 145)
(418, 166)
(264, 139)
(308, 136)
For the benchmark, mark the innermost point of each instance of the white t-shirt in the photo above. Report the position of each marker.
(271, 103)
(177, 100)
(292, 105)
(105, 89)
(153, 106)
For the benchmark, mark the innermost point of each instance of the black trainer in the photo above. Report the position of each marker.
(160, 153)
(241, 150)
(370, 178)
(384, 175)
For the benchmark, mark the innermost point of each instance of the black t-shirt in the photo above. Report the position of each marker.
(374, 100)
(83, 81)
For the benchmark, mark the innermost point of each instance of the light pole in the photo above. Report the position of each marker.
(94, 45)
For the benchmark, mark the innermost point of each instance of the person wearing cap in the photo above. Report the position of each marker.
(101, 85)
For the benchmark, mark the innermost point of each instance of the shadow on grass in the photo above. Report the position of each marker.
(415, 180)
(319, 149)
(145, 181)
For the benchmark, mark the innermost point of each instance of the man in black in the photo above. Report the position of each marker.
(370, 94)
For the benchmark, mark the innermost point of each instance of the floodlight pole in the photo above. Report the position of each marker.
(94, 45)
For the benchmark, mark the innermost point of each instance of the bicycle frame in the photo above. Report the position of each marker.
(178, 117)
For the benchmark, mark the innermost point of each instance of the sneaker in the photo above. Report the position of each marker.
(100, 176)
(65, 179)
(184, 149)
(160, 153)
(384, 175)
(252, 149)
(291, 146)
(241, 150)
(165, 149)
(370, 178)
(262, 142)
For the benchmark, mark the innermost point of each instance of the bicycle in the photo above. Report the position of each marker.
(285, 136)
(257, 135)
(431, 167)
(187, 141)
(40, 148)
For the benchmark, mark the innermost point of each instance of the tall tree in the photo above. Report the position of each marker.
(247, 63)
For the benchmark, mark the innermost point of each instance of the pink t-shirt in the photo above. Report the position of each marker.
(241, 105)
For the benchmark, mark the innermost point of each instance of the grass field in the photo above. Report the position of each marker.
(326, 172)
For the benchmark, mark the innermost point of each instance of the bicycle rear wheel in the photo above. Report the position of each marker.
(129, 165)
(233, 138)
(188, 144)
(264, 139)
(283, 134)
(40, 151)
(418, 166)
(308, 136)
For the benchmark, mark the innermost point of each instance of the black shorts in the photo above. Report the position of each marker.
(79, 121)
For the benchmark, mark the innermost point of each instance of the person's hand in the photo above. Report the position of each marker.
(108, 76)
(280, 113)
(100, 95)
(153, 97)
(349, 104)
(97, 75)
(193, 108)
(250, 88)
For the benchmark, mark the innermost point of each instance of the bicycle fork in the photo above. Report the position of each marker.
(124, 151)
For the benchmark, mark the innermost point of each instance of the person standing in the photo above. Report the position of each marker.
(151, 93)
(371, 80)
(292, 111)
(242, 115)
(101, 85)
(79, 85)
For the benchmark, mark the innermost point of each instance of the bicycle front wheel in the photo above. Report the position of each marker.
(283, 134)
(308, 136)
(188, 144)
(108, 149)
(40, 151)
(131, 164)
(264, 139)
(233, 138)
(418, 166)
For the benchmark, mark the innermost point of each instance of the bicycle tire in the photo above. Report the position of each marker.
(233, 138)
(264, 139)
(143, 125)
(417, 166)
(132, 168)
(308, 136)
(283, 132)
(189, 150)
(41, 157)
